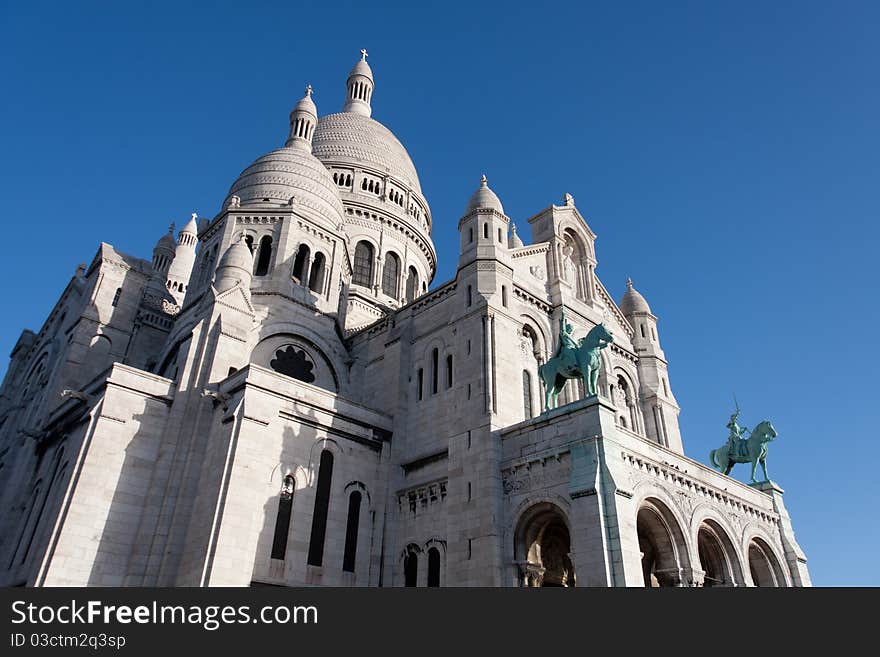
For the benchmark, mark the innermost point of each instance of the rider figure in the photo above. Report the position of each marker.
(567, 344)
(736, 434)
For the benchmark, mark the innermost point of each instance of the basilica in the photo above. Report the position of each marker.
(282, 395)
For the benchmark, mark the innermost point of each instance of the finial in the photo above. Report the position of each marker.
(195, 215)
(629, 282)
(308, 90)
(171, 228)
(363, 54)
(513, 229)
(568, 199)
(483, 181)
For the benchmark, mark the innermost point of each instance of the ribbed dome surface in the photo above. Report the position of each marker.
(355, 139)
(289, 172)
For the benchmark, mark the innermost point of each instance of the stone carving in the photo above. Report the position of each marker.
(538, 272)
(234, 201)
(744, 450)
(568, 199)
(568, 269)
(574, 360)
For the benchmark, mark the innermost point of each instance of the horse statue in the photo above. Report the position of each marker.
(745, 450)
(581, 361)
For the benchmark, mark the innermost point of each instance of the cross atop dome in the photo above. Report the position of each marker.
(308, 90)
(364, 54)
(360, 87)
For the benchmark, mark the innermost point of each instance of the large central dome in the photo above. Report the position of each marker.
(358, 139)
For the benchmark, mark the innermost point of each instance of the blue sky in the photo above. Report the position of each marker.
(726, 154)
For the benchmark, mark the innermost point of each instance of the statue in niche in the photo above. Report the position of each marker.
(294, 363)
(568, 268)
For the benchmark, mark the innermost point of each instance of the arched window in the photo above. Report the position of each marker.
(282, 519)
(300, 263)
(433, 567)
(351, 531)
(363, 264)
(410, 569)
(486, 231)
(322, 506)
(264, 257)
(449, 371)
(316, 275)
(412, 284)
(435, 366)
(527, 394)
(249, 240)
(390, 273)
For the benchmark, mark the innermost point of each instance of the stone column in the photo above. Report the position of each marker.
(794, 555)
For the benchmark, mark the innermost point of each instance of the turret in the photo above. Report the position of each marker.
(303, 121)
(236, 266)
(659, 407)
(360, 88)
(163, 252)
(177, 280)
(484, 226)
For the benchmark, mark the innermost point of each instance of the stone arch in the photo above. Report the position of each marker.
(716, 554)
(625, 395)
(359, 486)
(282, 470)
(542, 546)
(295, 355)
(662, 542)
(764, 568)
(755, 533)
(574, 253)
(321, 444)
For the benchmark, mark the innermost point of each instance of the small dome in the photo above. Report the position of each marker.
(362, 68)
(306, 104)
(192, 226)
(633, 301)
(235, 265)
(289, 173)
(484, 198)
(514, 242)
(167, 241)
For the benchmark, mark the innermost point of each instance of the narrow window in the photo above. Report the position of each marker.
(470, 234)
(282, 520)
(469, 295)
(643, 330)
(351, 531)
(433, 567)
(412, 284)
(527, 394)
(499, 236)
(300, 263)
(504, 296)
(486, 231)
(449, 371)
(363, 264)
(421, 382)
(264, 257)
(316, 274)
(665, 387)
(410, 569)
(116, 296)
(469, 492)
(390, 273)
(435, 375)
(322, 505)
(653, 334)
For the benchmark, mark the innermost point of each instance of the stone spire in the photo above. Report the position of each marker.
(180, 270)
(303, 120)
(360, 87)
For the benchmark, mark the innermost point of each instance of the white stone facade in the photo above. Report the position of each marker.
(276, 399)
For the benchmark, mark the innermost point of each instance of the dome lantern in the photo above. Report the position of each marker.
(360, 87)
(303, 120)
